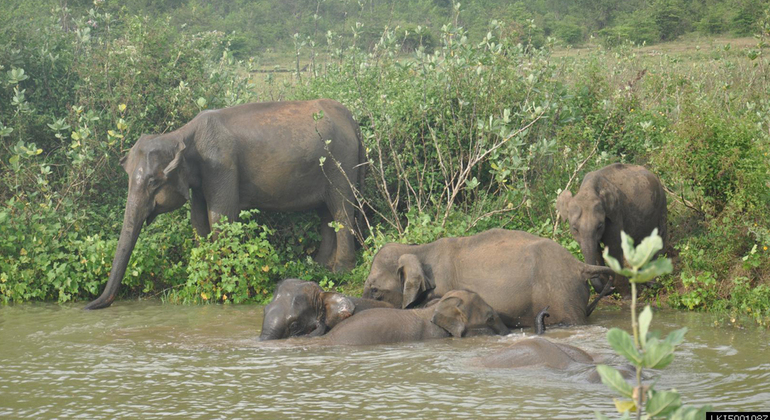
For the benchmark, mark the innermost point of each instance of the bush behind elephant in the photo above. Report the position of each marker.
(515, 272)
(615, 198)
(260, 155)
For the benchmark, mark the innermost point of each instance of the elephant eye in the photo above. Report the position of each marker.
(600, 226)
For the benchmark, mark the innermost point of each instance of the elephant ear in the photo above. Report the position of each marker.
(336, 307)
(449, 316)
(182, 186)
(124, 162)
(178, 158)
(412, 276)
(608, 193)
(562, 204)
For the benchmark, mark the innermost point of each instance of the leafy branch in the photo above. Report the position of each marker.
(646, 350)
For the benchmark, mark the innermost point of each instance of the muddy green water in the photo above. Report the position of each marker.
(147, 360)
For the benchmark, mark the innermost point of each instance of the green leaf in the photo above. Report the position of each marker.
(624, 406)
(615, 265)
(662, 403)
(644, 324)
(627, 244)
(676, 337)
(658, 354)
(654, 269)
(614, 380)
(647, 249)
(624, 345)
(690, 413)
(601, 416)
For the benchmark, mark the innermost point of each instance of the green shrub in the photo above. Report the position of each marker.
(569, 32)
(237, 264)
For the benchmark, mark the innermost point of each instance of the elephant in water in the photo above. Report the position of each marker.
(459, 313)
(515, 272)
(540, 352)
(615, 198)
(302, 308)
(261, 155)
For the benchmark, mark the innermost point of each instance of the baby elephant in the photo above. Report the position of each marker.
(302, 308)
(459, 313)
(540, 352)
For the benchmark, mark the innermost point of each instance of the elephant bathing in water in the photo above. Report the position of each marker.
(615, 198)
(459, 313)
(540, 352)
(515, 272)
(262, 155)
(302, 308)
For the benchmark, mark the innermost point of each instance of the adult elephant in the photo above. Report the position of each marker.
(303, 308)
(615, 198)
(515, 272)
(261, 155)
(459, 313)
(538, 352)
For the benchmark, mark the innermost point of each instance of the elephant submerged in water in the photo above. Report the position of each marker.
(261, 155)
(539, 352)
(459, 313)
(515, 272)
(303, 308)
(615, 198)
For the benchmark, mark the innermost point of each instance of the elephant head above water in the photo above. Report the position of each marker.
(263, 155)
(302, 308)
(615, 198)
(459, 313)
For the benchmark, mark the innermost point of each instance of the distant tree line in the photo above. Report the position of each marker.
(256, 26)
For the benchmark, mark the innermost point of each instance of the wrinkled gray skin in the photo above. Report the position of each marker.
(302, 308)
(540, 352)
(459, 313)
(615, 198)
(515, 272)
(262, 155)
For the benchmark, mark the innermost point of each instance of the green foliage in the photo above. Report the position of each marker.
(645, 350)
(58, 260)
(481, 127)
(237, 264)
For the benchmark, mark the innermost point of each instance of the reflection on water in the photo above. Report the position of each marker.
(146, 360)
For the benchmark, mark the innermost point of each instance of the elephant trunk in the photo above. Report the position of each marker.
(591, 256)
(133, 218)
(267, 335)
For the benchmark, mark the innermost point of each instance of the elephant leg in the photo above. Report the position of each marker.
(222, 198)
(325, 253)
(345, 251)
(199, 214)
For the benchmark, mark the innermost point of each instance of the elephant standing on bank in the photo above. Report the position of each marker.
(261, 155)
(459, 313)
(302, 308)
(615, 198)
(515, 272)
